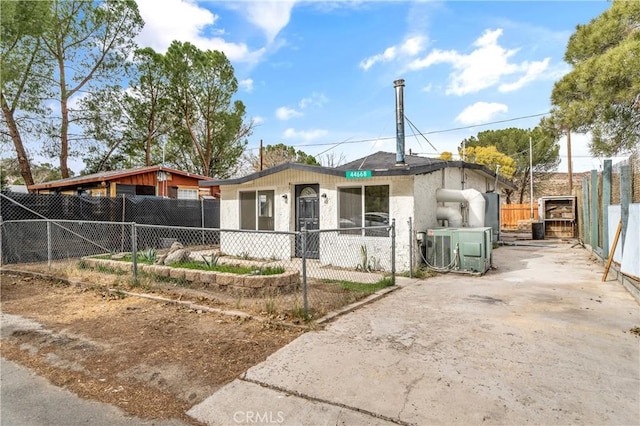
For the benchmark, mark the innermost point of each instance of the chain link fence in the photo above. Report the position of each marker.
(203, 213)
(285, 275)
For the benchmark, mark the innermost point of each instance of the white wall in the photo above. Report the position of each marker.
(628, 256)
(411, 197)
(257, 245)
(345, 251)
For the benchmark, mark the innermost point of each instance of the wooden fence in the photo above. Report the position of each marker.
(511, 214)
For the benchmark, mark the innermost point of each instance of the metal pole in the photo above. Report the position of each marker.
(304, 271)
(531, 177)
(124, 201)
(399, 88)
(393, 252)
(1, 228)
(134, 250)
(49, 244)
(202, 218)
(569, 165)
(411, 239)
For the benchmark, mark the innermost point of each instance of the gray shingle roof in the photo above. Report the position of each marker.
(387, 160)
(380, 163)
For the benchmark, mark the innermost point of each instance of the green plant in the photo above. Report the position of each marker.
(109, 270)
(148, 256)
(212, 262)
(299, 312)
(270, 306)
(364, 259)
(233, 269)
(272, 270)
(365, 288)
(419, 273)
(368, 264)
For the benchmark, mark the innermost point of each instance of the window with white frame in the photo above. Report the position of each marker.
(364, 206)
(187, 194)
(256, 208)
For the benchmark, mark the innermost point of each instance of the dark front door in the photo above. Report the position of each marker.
(308, 217)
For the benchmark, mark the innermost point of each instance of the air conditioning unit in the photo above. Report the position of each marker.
(459, 249)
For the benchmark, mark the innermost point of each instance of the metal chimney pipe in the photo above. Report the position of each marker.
(399, 86)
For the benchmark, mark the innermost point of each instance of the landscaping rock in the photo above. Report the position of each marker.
(180, 255)
(177, 253)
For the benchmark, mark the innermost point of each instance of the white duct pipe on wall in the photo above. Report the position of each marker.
(451, 215)
(473, 197)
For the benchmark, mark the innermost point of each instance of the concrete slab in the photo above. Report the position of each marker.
(539, 340)
(262, 405)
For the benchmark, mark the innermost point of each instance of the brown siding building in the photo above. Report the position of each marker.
(156, 181)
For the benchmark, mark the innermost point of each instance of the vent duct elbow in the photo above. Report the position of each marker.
(474, 199)
(451, 215)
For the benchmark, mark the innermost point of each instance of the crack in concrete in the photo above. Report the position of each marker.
(408, 390)
(324, 401)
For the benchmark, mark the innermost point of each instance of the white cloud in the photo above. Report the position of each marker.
(286, 113)
(270, 16)
(305, 135)
(484, 67)
(185, 21)
(246, 84)
(410, 47)
(480, 112)
(257, 120)
(316, 99)
(533, 71)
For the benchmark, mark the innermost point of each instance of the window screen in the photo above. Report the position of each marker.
(248, 210)
(256, 208)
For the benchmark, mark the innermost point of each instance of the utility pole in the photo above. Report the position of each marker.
(531, 177)
(569, 169)
(260, 154)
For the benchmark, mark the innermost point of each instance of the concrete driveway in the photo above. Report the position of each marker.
(538, 340)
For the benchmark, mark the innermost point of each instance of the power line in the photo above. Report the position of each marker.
(486, 124)
(421, 134)
(346, 142)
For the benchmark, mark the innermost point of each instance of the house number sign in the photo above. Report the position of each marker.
(358, 174)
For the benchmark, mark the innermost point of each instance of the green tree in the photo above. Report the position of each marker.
(601, 94)
(23, 74)
(514, 143)
(89, 42)
(46, 172)
(273, 155)
(210, 132)
(129, 122)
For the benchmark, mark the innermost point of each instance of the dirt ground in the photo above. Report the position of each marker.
(152, 359)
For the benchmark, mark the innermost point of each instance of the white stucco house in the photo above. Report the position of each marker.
(370, 191)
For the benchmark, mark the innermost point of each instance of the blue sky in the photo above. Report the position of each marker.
(315, 74)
